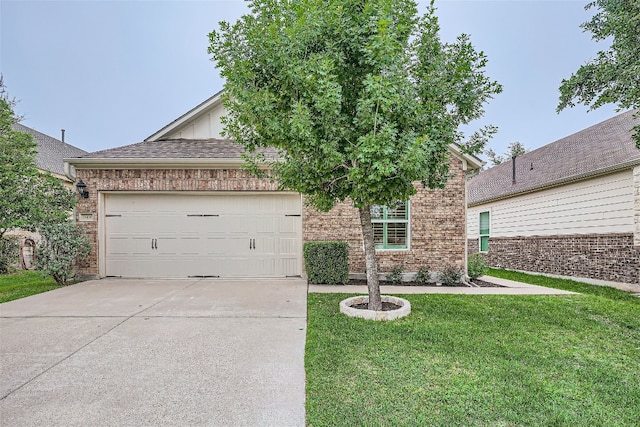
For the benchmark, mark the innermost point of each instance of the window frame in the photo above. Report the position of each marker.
(484, 236)
(385, 221)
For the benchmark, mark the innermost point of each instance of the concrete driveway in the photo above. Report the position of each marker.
(118, 352)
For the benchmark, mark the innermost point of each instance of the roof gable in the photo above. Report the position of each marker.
(201, 122)
(599, 149)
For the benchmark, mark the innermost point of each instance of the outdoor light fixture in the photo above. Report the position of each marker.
(82, 189)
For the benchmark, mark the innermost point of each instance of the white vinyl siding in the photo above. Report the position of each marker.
(602, 205)
(202, 127)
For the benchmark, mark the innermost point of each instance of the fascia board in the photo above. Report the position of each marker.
(473, 161)
(131, 163)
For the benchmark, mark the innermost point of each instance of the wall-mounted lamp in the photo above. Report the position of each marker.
(82, 189)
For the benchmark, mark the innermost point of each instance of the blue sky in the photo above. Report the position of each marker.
(113, 72)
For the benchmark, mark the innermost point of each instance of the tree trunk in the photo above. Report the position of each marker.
(375, 303)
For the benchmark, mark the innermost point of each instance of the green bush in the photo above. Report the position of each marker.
(9, 253)
(423, 276)
(62, 244)
(395, 276)
(476, 265)
(450, 276)
(327, 262)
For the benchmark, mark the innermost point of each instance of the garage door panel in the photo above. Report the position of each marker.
(202, 235)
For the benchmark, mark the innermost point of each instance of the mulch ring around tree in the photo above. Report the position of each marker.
(477, 282)
(386, 306)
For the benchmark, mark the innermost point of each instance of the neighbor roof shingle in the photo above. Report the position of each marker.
(50, 151)
(598, 149)
(176, 149)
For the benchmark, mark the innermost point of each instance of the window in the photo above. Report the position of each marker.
(484, 231)
(391, 226)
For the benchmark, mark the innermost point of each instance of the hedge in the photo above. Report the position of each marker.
(327, 262)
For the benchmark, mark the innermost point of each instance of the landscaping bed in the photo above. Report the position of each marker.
(476, 282)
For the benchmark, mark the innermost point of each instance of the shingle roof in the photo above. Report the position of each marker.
(599, 149)
(177, 149)
(50, 151)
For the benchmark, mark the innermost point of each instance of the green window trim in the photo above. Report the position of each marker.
(484, 231)
(391, 226)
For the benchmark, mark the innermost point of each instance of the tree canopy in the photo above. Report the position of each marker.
(360, 99)
(28, 197)
(514, 149)
(613, 76)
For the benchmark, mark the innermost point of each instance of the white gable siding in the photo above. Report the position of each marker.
(600, 205)
(204, 126)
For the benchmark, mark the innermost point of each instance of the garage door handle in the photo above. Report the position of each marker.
(154, 243)
(252, 243)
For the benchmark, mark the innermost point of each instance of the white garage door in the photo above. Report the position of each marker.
(188, 235)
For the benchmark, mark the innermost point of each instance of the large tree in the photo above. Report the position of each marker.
(360, 98)
(614, 75)
(28, 197)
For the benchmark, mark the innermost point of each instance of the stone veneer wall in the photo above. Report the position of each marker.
(437, 224)
(155, 180)
(611, 257)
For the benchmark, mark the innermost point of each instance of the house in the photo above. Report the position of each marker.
(51, 152)
(179, 204)
(569, 208)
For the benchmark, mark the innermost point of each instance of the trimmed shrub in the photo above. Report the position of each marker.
(450, 276)
(423, 276)
(395, 276)
(9, 253)
(476, 265)
(62, 244)
(327, 263)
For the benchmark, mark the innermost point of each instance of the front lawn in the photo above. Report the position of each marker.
(472, 360)
(564, 284)
(24, 284)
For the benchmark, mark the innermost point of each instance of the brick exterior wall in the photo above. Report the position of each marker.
(154, 180)
(610, 257)
(437, 224)
(437, 217)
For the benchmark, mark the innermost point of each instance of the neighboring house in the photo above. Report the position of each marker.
(179, 204)
(51, 153)
(572, 209)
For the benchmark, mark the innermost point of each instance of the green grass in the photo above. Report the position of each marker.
(24, 284)
(477, 360)
(564, 284)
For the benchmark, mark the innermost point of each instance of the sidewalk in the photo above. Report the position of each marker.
(510, 288)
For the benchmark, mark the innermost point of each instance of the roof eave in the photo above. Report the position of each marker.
(472, 161)
(559, 182)
(151, 163)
